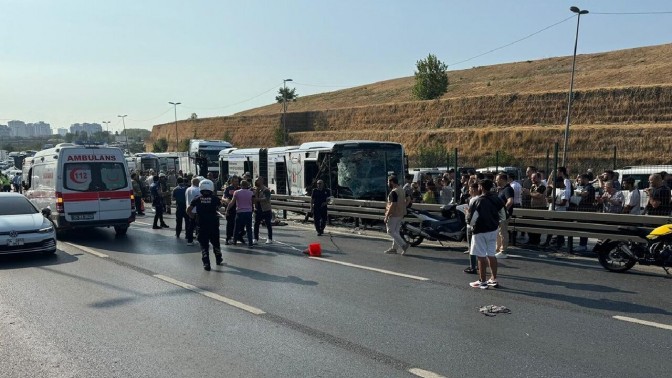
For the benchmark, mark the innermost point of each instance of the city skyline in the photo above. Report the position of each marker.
(217, 59)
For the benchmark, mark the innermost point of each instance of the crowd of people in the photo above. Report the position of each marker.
(199, 209)
(489, 199)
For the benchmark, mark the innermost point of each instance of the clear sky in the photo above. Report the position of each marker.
(73, 61)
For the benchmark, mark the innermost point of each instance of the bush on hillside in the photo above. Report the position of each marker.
(431, 79)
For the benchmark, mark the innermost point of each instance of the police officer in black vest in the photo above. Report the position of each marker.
(207, 214)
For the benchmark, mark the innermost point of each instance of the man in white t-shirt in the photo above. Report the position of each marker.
(632, 204)
(190, 194)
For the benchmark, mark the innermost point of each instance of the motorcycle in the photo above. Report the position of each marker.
(450, 226)
(656, 249)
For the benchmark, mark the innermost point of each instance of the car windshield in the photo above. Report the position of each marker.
(16, 206)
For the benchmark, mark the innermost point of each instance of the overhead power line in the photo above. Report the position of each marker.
(631, 13)
(230, 105)
(512, 43)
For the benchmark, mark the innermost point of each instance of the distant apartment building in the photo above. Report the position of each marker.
(40, 128)
(62, 131)
(17, 129)
(89, 128)
(28, 130)
(4, 131)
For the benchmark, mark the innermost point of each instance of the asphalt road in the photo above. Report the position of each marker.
(142, 306)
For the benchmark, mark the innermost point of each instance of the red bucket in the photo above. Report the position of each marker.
(315, 249)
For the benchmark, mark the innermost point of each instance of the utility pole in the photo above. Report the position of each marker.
(125, 135)
(177, 137)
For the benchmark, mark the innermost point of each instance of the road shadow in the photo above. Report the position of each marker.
(570, 285)
(260, 276)
(592, 303)
(33, 260)
(129, 296)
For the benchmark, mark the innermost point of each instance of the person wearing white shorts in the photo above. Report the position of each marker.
(484, 217)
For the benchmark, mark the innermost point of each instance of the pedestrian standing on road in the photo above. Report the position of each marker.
(179, 195)
(207, 216)
(318, 206)
(473, 261)
(262, 210)
(190, 194)
(157, 202)
(395, 210)
(16, 181)
(484, 217)
(659, 196)
(234, 184)
(507, 195)
(243, 200)
(137, 194)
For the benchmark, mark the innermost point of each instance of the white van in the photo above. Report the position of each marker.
(82, 186)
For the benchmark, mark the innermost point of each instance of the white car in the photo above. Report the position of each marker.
(23, 229)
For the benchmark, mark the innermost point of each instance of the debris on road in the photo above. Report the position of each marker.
(493, 310)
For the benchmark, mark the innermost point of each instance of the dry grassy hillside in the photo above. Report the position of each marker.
(642, 66)
(622, 99)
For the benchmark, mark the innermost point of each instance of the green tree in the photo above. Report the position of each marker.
(160, 145)
(286, 95)
(431, 79)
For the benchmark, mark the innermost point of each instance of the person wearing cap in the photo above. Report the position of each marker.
(243, 199)
(206, 209)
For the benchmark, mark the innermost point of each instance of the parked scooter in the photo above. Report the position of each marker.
(450, 226)
(655, 249)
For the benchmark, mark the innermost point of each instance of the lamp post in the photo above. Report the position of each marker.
(107, 128)
(579, 12)
(123, 121)
(284, 109)
(177, 137)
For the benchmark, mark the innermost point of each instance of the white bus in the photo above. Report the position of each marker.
(269, 163)
(205, 154)
(355, 169)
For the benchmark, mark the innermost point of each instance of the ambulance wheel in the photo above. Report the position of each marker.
(120, 230)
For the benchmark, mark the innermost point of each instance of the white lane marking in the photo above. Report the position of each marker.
(424, 373)
(644, 322)
(371, 269)
(209, 294)
(87, 250)
(148, 224)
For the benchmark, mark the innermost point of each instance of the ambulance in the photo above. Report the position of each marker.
(82, 186)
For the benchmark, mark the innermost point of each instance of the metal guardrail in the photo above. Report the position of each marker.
(583, 224)
(567, 223)
(359, 209)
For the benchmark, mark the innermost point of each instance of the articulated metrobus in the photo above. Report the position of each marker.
(356, 169)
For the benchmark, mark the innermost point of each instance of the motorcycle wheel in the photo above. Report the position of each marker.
(614, 259)
(410, 237)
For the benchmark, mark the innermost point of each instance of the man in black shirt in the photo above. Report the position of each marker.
(483, 216)
(231, 216)
(659, 196)
(180, 205)
(207, 206)
(318, 206)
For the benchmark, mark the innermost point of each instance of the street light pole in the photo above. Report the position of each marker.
(579, 12)
(284, 109)
(177, 137)
(107, 128)
(125, 135)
